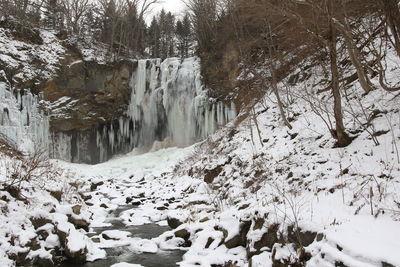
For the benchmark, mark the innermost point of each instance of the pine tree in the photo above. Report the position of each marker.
(154, 38)
(131, 22)
(162, 20)
(183, 34)
(109, 23)
(170, 34)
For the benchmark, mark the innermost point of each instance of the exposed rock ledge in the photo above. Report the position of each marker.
(86, 94)
(82, 87)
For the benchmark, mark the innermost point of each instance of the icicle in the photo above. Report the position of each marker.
(21, 121)
(168, 101)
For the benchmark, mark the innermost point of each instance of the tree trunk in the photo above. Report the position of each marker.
(257, 126)
(342, 138)
(280, 106)
(392, 14)
(355, 56)
(274, 80)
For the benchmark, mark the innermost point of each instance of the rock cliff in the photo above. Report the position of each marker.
(86, 94)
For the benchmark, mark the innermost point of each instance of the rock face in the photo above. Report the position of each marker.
(99, 111)
(87, 94)
(94, 108)
(28, 55)
(21, 32)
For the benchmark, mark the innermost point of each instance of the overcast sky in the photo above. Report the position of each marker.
(175, 6)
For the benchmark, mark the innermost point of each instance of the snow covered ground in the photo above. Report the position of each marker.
(290, 196)
(132, 178)
(237, 198)
(30, 61)
(253, 194)
(286, 196)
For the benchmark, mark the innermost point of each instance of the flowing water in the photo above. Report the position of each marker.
(123, 254)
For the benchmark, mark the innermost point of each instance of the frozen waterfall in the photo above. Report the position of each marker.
(21, 121)
(169, 106)
(169, 100)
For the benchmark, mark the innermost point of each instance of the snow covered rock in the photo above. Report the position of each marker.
(124, 264)
(143, 246)
(115, 235)
(173, 222)
(75, 247)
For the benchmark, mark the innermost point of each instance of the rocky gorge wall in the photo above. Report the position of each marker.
(161, 104)
(70, 98)
(91, 112)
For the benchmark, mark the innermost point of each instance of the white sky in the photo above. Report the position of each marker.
(175, 6)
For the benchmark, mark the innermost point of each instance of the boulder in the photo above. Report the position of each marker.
(44, 262)
(210, 240)
(173, 222)
(211, 174)
(79, 223)
(300, 237)
(20, 257)
(241, 238)
(75, 247)
(77, 257)
(133, 201)
(258, 223)
(104, 206)
(96, 240)
(183, 233)
(39, 221)
(280, 259)
(268, 239)
(94, 186)
(77, 209)
(42, 233)
(57, 195)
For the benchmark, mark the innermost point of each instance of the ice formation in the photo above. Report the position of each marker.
(169, 106)
(169, 100)
(22, 123)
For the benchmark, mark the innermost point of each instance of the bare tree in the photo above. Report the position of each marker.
(274, 82)
(392, 16)
(317, 19)
(354, 53)
(341, 135)
(204, 15)
(74, 11)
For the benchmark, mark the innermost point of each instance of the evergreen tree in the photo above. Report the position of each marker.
(154, 38)
(141, 33)
(166, 22)
(169, 29)
(131, 23)
(109, 21)
(183, 34)
(162, 20)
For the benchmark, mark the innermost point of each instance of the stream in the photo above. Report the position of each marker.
(123, 254)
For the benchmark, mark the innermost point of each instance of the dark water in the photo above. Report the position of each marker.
(122, 254)
(117, 255)
(147, 231)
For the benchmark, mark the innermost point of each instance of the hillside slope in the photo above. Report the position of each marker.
(255, 193)
(290, 197)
